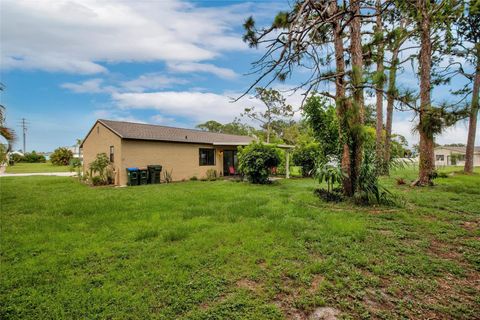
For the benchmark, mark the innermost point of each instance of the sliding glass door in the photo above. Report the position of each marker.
(230, 162)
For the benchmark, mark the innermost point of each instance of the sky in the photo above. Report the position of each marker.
(175, 63)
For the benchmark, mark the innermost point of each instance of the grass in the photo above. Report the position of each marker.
(36, 167)
(229, 250)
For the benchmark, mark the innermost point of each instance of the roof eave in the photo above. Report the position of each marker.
(231, 143)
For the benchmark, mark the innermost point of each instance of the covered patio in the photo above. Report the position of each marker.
(228, 152)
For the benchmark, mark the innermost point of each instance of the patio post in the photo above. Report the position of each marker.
(287, 164)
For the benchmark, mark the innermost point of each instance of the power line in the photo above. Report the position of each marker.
(24, 124)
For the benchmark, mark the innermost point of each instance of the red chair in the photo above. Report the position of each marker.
(231, 170)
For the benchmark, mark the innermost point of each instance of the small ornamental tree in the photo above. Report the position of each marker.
(256, 160)
(61, 156)
(99, 167)
(276, 108)
(306, 155)
(321, 116)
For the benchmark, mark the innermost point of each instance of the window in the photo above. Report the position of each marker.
(440, 157)
(112, 153)
(207, 157)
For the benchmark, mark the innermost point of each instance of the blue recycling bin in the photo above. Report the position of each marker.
(133, 176)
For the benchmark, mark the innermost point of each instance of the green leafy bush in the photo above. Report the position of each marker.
(98, 168)
(369, 189)
(61, 156)
(212, 175)
(33, 157)
(98, 181)
(255, 161)
(321, 116)
(331, 175)
(75, 163)
(305, 156)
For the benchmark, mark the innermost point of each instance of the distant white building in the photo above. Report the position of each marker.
(76, 150)
(454, 156)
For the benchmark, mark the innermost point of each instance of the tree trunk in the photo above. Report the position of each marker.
(391, 92)
(341, 100)
(357, 118)
(379, 145)
(426, 146)
(472, 126)
(268, 132)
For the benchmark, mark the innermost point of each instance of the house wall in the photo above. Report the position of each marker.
(98, 141)
(476, 160)
(447, 156)
(446, 153)
(182, 159)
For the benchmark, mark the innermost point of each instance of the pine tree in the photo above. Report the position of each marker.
(469, 31)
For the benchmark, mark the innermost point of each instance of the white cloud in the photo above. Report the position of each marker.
(151, 81)
(186, 67)
(87, 86)
(194, 105)
(148, 81)
(198, 106)
(50, 63)
(77, 36)
(114, 114)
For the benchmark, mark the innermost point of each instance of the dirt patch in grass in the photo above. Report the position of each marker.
(317, 280)
(261, 263)
(385, 232)
(285, 303)
(471, 225)
(378, 300)
(249, 285)
(285, 300)
(445, 251)
(208, 304)
(454, 297)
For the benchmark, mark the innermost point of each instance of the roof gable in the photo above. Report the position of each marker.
(93, 127)
(141, 131)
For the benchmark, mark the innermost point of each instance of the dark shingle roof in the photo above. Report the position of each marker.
(141, 131)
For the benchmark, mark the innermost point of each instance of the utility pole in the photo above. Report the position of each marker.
(23, 123)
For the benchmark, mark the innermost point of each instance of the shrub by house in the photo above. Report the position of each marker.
(256, 160)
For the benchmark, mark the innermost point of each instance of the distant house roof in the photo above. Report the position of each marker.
(459, 149)
(141, 131)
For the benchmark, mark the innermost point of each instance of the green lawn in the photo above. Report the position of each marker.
(230, 250)
(36, 167)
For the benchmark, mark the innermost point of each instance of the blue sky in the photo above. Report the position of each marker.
(176, 63)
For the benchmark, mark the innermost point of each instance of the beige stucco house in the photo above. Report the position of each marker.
(449, 156)
(186, 153)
